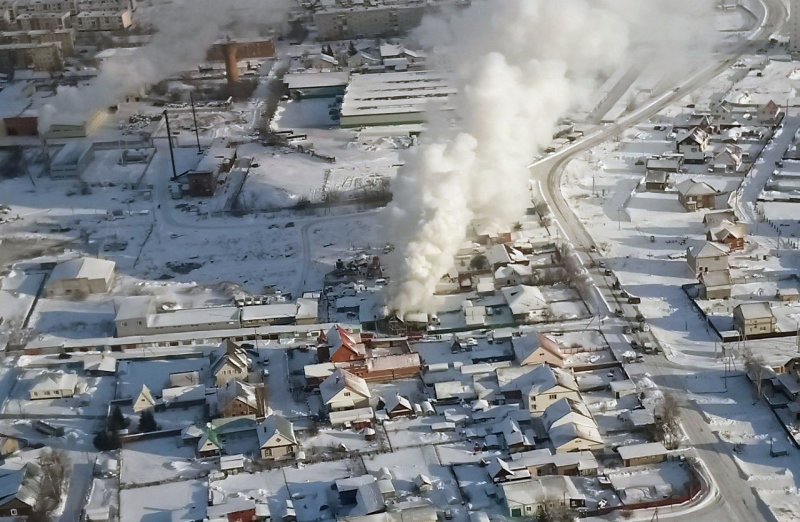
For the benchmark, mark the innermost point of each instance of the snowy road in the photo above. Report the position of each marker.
(736, 500)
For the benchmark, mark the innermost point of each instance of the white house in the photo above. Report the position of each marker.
(708, 257)
(232, 364)
(344, 391)
(276, 438)
(534, 349)
(523, 497)
(81, 275)
(54, 386)
(144, 401)
(526, 302)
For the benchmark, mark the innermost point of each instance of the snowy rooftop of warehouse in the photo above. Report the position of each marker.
(13, 99)
(310, 80)
(395, 92)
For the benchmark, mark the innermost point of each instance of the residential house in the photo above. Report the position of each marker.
(565, 411)
(236, 398)
(715, 285)
(669, 164)
(144, 401)
(693, 144)
(513, 274)
(276, 438)
(231, 365)
(360, 496)
(526, 303)
(233, 509)
(537, 387)
(769, 114)
(708, 257)
(729, 159)
(536, 348)
(715, 218)
(19, 491)
(213, 441)
(398, 406)
(515, 439)
(343, 346)
(656, 181)
(100, 365)
(574, 436)
(183, 396)
(54, 386)
(80, 276)
(732, 235)
(642, 454)
(544, 462)
(754, 319)
(344, 391)
(695, 195)
(523, 498)
(499, 470)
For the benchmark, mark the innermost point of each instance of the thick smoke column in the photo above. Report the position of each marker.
(185, 29)
(519, 66)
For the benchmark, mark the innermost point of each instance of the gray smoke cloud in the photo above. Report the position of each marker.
(184, 30)
(519, 66)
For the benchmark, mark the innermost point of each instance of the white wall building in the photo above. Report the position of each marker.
(82, 275)
(115, 20)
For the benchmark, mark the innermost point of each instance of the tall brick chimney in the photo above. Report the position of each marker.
(231, 64)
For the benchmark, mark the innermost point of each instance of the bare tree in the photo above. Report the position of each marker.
(55, 468)
(667, 427)
(756, 369)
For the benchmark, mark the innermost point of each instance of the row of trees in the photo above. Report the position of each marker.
(109, 438)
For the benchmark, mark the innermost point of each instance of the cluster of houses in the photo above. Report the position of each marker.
(717, 142)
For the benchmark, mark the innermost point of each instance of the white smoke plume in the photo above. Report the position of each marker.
(184, 30)
(519, 66)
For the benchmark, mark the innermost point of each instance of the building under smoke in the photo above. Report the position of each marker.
(394, 98)
(346, 19)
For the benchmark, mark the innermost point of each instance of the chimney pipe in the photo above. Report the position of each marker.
(231, 64)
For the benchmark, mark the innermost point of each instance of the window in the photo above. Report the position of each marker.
(267, 452)
(13, 511)
(553, 396)
(347, 394)
(516, 512)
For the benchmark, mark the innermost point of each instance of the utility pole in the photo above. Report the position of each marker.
(194, 117)
(169, 141)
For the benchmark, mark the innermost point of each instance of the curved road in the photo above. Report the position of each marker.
(731, 498)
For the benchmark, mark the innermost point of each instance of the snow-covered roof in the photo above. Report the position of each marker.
(237, 390)
(310, 80)
(565, 433)
(100, 363)
(523, 299)
(276, 430)
(82, 268)
(716, 278)
(395, 92)
(54, 381)
(707, 250)
(690, 187)
(136, 307)
(567, 409)
(196, 392)
(635, 451)
(526, 345)
(760, 310)
(539, 490)
(269, 311)
(340, 380)
(395, 402)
